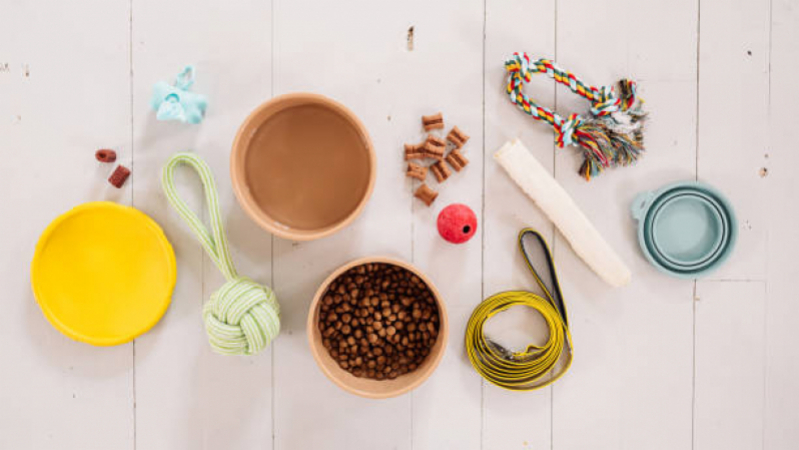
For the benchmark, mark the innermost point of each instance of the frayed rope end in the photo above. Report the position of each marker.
(612, 136)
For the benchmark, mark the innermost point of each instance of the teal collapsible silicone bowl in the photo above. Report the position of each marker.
(686, 229)
(682, 210)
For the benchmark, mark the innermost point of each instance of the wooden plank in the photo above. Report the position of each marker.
(733, 122)
(631, 339)
(187, 396)
(512, 419)
(65, 94)
(730, 363)
(447, 409)
(366, 65)
(782, 312)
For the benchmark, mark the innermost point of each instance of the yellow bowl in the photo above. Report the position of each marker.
(103, 273)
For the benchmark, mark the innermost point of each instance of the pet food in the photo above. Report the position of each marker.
(457, 137)
(378, 321)
(425, 194)
(456, 159)
(120, 175)
(434, 147)
(414, 151)
(433, 122)
(416, 171)
(105, 155)
(440, 171)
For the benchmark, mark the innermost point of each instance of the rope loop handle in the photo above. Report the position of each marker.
(611, 135)
(242, 317)
(538, 365)
(214, 244)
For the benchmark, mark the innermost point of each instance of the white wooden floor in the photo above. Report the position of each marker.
(660, 364)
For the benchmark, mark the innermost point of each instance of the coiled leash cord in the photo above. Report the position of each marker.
(536, 366)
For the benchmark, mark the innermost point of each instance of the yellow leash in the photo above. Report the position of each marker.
(536, 366)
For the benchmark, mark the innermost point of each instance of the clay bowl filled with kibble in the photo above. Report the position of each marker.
(377, 327)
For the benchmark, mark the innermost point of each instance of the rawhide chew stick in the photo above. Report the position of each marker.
(416, 171)
(457, 137)
(433, 122)
(556, 203)
(457, 160)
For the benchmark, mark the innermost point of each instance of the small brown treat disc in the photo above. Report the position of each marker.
(433, 122)
(440, 171)
(105, 155)
(120, 175)
(416, 171)
(425, 194)
(457, 160)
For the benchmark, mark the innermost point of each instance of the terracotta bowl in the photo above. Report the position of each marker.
(243, 147)
(363, 386)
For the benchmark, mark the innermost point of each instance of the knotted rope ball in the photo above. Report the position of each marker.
(243, 316)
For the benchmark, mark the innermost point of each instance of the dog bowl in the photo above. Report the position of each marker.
(685, 229)
(699, 213)
(302, 166)
(371, 388)
(103, 273)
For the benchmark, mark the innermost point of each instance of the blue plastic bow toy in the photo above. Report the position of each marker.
(176, 102)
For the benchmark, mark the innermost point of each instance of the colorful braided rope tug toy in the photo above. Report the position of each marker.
(613, 133)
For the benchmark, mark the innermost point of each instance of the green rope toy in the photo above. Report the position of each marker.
(242, 317)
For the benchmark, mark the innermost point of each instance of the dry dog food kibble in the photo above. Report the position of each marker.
(457, 160)
(425, 194)
(378, 321)
(441, 171)
(436, 121)
(414, 151)
(457, 137)
(120, 175)
(434, 147)
(105, 155)
(416, 171)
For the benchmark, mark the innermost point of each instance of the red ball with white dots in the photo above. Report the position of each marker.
(457, 223)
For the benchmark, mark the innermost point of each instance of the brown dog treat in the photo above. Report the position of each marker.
(105, 155)
(416, 171)
(433, 122)
(434, 147)
(414, 151)
(120, 175)
(457, 137)
(441, 171)
(457, 160)
(425, 194)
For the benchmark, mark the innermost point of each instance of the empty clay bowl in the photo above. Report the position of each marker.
(302, 166)
(366, 387)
